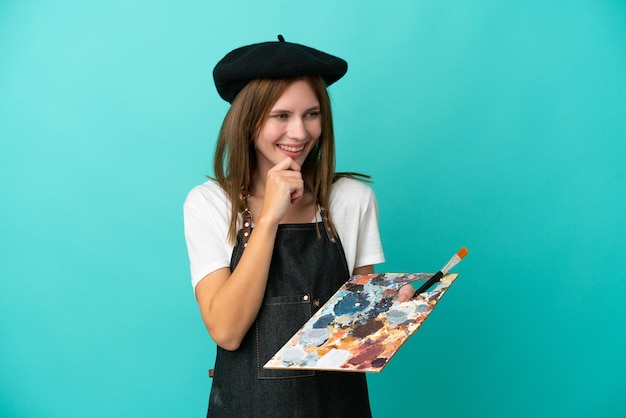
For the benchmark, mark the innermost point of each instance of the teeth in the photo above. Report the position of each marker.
(291, 149)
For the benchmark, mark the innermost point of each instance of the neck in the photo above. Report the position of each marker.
(257, 186)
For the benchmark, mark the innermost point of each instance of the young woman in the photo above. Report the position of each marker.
(277, 232)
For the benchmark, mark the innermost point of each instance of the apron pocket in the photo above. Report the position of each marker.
(280, 317)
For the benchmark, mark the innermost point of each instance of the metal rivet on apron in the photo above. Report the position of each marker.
(316, 303)
(305, 297)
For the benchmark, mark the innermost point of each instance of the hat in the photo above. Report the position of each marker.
(273, 60)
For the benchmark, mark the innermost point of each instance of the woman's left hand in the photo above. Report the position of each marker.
(406, 292)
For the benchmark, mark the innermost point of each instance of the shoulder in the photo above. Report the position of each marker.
(350, 186)
(207, 203)
(206, 194)
(348, 191)
(351, 201)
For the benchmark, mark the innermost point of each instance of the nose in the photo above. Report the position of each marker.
(297, 129)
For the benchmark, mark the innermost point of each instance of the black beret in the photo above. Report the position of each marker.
(273, 60)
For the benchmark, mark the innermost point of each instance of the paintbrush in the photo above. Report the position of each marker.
(437, 276)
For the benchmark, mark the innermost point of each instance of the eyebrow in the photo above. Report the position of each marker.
(289, 111)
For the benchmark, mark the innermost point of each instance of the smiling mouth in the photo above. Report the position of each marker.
(290, 148)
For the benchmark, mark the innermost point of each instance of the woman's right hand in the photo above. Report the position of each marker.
(284, 186)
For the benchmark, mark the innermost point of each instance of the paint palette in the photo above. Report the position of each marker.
(362, 325)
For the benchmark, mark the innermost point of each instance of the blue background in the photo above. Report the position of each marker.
(498, 125)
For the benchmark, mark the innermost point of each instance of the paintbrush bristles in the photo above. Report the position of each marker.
(455, 260)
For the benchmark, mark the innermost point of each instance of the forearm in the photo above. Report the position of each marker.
(237, 297)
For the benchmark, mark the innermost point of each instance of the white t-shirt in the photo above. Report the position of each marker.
(353, 210)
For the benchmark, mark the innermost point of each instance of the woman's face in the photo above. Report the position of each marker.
(292, 128)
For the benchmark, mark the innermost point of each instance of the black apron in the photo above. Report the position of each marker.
(307, 268)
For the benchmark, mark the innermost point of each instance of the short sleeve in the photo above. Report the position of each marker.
(206, 214)
(354, 211)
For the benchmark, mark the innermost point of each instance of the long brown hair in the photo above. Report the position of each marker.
(235, 157)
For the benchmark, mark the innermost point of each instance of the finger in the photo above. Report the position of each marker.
(296, 195)
(406, 292)
(298, 191)
(287, 164)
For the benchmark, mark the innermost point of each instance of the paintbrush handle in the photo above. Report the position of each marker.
(451, 263)
(435, 278)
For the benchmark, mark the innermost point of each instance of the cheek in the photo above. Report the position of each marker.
(316, 129)
(265, 135)
(272, 132)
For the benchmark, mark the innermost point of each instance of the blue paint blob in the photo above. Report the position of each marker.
(310, 360)
(396, 317)
(351, 303)
(314, 337)
(324, 321)
(435, 295)
(422, 308)
(293, 356)
(382, 306)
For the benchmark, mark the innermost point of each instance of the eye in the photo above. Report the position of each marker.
(280, 116)
(313, 114)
